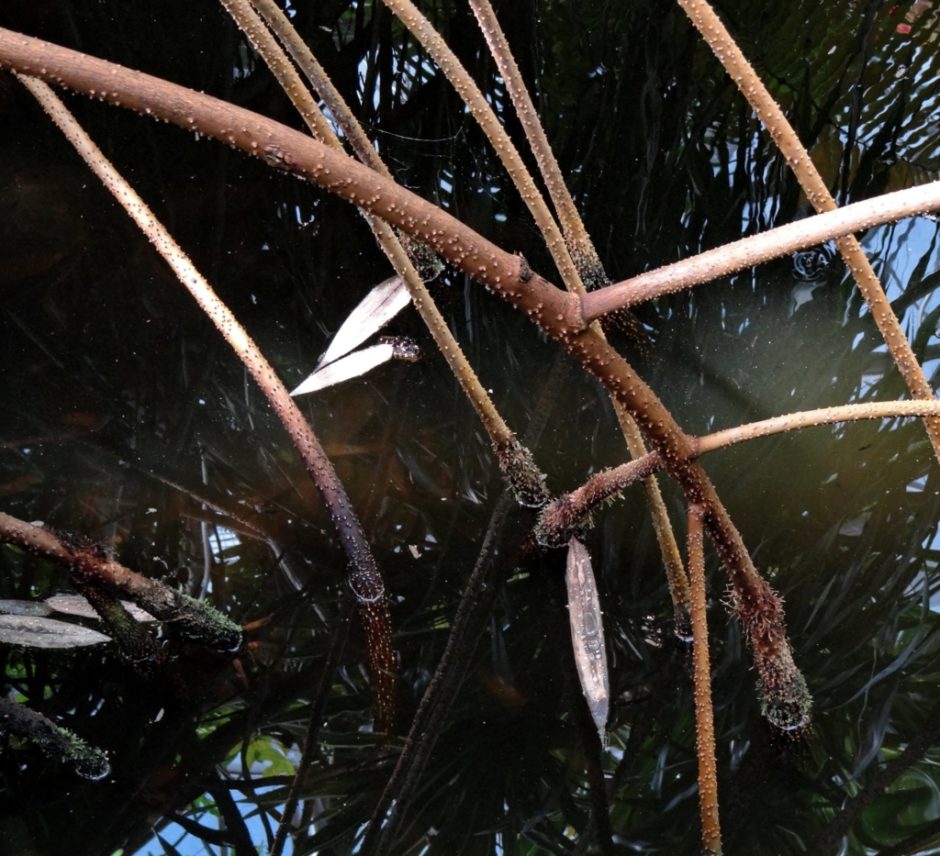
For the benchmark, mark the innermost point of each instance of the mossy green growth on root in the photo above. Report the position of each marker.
(88, 762)
(199, 621)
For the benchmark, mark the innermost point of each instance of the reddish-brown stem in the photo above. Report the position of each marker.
(363, 575)
(553, 310)
(747, 252)
(565, 514)
(704, 712)
(193, 617)
(751, 86)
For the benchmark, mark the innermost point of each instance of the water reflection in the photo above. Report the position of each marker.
(128, 422)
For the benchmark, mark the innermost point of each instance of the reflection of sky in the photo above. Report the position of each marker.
(918, 140)
(222, 543)
(406, 76)
(188, 845)
(897, 251)
(901, 247)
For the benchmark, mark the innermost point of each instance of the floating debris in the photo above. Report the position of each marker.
(372, 313)
(587, 634)
(24, 607)
(35, 632)
(77, 606)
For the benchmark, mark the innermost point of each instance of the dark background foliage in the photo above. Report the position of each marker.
(127, 420)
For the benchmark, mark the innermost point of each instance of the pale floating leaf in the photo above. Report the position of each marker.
(346, 368)
(374, 311)
(24, 607)
(77, 606)
(587, 633)
(33, 632)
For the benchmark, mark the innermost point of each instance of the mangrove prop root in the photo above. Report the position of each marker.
(55, 742)
(133, 640)
(562, 517)
(592, 274)
(522, 473)
(555, 311)
(784, 697)
(363, 575)
(193, 619)
(817, 193)
(483, 113)
(566, 515)
(738, 255)
(409, 258)
(704, 711)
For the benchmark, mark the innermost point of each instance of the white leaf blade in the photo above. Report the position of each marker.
(346, 368)
(76, 606)
(24, 607)
(374, 311)
(587, 633)
(34, 632)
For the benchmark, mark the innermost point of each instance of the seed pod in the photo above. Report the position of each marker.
(587, 633)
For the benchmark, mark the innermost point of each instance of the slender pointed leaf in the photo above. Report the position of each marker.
(24, 607)
(168, 849)
(374, 311)
(77, 606)
(587, 633)
(34, 632)
(346, 368)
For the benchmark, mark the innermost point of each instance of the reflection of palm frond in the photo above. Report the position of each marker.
(664, 160)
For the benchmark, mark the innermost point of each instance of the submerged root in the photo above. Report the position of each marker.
(55, 742)
(525, 478)
(784, 696)
(561, 521)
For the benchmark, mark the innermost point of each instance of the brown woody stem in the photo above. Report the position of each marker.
(704, 712)
(363, 575)
(195, 619)
(812, 418)
(593, 276)
(516, 463)
(752, 87)
(764, 247)
(479, 107)
(565, 514)
(579, 242)
(553, 310)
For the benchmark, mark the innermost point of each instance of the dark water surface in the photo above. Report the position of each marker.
(128, 421)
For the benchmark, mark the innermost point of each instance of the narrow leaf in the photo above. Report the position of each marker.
(587, 633)
(374, 311)
(32, 632)
(346, 368)
(77, 606)
(24, 607)
(168, 849)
